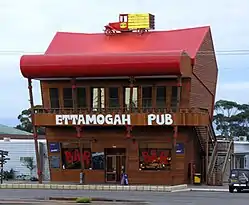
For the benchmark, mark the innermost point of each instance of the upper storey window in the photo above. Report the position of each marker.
(54, 97)
(114, 97)
(97, 98)
(174, 96)
(130, 98)
(100, 98)
(67, 97)
(81, 97)
(161, 97)
(147, 97)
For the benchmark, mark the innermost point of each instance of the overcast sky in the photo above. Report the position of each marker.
(28, 26)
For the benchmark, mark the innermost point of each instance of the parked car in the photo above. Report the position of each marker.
(239, 180)
(33, 179)
(23, 177)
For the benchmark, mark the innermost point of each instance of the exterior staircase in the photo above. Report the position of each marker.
(219, 152)
(219, 162)
(205, 133)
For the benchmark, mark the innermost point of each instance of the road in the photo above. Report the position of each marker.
(155, 198)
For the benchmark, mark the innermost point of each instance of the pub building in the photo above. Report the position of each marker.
(126, 103)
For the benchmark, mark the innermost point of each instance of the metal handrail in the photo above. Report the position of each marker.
(213, 159)
(212, 168)
(226, 158)
(212, 128)
(212, 135)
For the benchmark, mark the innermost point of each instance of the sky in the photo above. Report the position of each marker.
(28, 26)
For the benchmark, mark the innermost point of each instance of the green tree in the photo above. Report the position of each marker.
(29, 163)
(25, 122)
(231, 119)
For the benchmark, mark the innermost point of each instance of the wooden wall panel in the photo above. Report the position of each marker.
(106, 139)
(45, 85)
(91, 176)
(185, 93)
(184, 118)
(206, 65)
(205, 74)
(200, 97)
(45, 95)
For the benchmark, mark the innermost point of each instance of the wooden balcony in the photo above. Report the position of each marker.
(121, 117)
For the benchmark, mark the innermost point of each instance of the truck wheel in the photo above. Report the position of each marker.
(108, 32)
(231, 189)
(141, 31)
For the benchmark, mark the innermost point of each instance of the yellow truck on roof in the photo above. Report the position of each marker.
(132, 22)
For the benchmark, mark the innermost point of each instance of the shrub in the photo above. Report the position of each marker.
(83, 200)
(9, 174)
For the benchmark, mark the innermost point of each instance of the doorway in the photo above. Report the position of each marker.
(114, 164)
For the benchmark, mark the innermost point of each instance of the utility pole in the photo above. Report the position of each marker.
(3, 160)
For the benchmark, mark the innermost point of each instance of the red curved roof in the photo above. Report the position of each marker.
(128, 54)
(102, 65)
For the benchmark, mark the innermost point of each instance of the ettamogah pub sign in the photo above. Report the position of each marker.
(99, 119)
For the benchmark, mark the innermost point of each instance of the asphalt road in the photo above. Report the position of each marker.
(155, 198)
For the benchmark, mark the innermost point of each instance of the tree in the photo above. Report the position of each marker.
(29, 163)
(25, 122)
(231, 119)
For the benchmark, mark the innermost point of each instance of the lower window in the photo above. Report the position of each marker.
(98, 160)
(71, 155)
(153, 156)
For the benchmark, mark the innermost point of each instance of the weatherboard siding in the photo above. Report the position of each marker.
(204, 78)
(106, 138)
(18, 149)
(199, 96)
(206, 65)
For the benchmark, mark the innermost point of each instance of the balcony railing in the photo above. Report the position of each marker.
(138, 117)
(118, 110)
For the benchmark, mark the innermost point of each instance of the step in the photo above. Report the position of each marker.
(222, 153)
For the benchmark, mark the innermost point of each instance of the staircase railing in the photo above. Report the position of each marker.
(212, 160)
(226, 159)
(214, 145)
(200, 138)
(212, 132)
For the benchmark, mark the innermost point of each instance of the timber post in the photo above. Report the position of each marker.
(179, 87)
(207, 155)
(35, 134)
(74, 95)
(175, 128)
(131, 94)
(173, 154)
(82, 167)
(129, 127)
(78, 129)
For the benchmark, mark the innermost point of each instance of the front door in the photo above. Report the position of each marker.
(115, 166)
(111, 168)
